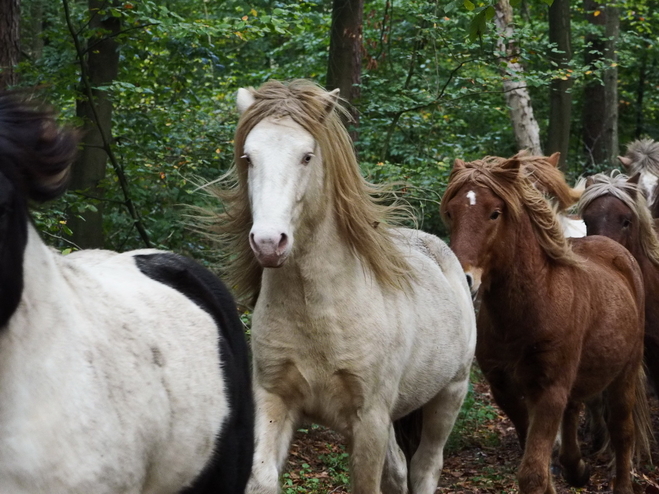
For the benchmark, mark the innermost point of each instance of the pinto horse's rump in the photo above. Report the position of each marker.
(231, 464)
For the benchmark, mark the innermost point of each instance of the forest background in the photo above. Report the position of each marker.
(428, 81)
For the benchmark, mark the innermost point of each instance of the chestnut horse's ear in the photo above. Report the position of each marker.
(554, 159)
(333, 98)
(458, 164)
(625, 161)
(513, 164)
(589, 181)
(244, 99)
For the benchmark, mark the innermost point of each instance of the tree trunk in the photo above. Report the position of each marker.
(600, 110)
(344, 69)
(640, 94)
(560, 98)
(525, 126)
(10, 51)
(89, 170)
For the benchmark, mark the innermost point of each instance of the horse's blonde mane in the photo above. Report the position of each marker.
(549, 180)
(363, 220)
(513, 186)
(644, 156)
(618, 186)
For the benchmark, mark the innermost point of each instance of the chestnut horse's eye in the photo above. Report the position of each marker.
(495, 215)
(626, 222)
(448, 215)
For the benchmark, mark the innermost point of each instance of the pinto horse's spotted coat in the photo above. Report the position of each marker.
(119, 373)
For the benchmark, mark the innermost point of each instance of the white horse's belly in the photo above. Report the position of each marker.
(90, 408)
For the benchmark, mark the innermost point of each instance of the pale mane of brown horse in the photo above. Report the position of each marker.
(559, 323)
(613, 206)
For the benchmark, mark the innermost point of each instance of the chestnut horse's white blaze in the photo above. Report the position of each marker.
(471, 195)
(119, 373)
(332, 342)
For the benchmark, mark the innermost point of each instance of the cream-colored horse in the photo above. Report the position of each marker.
(356, 323)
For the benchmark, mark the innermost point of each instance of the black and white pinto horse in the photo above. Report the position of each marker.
(119, 373)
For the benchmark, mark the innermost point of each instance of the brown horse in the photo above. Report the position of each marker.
(559, 323)
(614, 206)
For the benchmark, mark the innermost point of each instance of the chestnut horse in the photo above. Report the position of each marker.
(559, 322)
(614, 206)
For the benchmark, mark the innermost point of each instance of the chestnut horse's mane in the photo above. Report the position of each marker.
(549, 180)
(508, 179)
(618, 186)
(363, 220)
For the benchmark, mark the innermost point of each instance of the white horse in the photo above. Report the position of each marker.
(360, 323)
(119, 373)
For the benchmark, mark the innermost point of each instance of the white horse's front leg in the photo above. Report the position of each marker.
(439, 416)
(394, 476)
(275, 424)
(368, 446)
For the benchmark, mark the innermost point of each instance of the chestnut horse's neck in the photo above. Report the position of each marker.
(518, 280)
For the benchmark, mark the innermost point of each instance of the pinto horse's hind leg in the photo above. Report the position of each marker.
(394, 475)
(575, 470)
(439, 416)
(275, 423)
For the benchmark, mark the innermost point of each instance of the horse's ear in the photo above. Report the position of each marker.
(625, 161)
(458, 164)
(589, 181)
(333, 98)
(554, 159)
(244, 99)
(513, 164)
(634, 181)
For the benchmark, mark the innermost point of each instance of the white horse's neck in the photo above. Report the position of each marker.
(322, 266)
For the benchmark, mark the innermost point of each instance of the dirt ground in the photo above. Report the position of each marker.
(318, 462)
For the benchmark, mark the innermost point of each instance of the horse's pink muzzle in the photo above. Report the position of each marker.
(271, 249)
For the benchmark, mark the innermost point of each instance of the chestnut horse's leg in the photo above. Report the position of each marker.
(546, 410)
(652, 358)
(439, 415)
(510, 400)
(621, 398)
(575, 470)
(275, 423)
(367, 446)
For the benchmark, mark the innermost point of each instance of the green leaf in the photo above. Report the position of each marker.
(469, 5)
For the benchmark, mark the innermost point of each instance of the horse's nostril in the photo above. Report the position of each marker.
(470, 280)
(283, 241)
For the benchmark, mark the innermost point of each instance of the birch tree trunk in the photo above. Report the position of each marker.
(525, 126)
(10, 11)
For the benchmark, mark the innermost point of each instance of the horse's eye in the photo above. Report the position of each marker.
(448, 215)
(626, 222)
(247, 158)
(495, 215)
(307, 158)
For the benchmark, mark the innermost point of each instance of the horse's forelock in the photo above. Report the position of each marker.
(618, 185)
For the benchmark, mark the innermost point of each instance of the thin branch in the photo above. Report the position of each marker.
(123, 182)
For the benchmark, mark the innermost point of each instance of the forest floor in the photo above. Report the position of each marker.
(481, 456)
